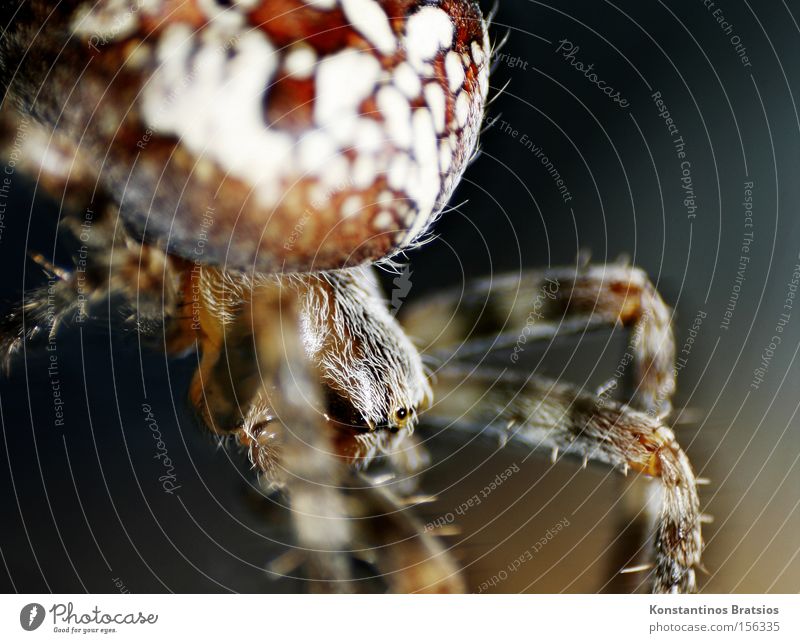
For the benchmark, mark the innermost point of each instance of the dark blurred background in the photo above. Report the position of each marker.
(82, 508)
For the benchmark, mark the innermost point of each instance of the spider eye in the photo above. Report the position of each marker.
(401, 416)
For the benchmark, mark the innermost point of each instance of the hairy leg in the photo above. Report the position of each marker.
(541, 413)
(410, 559)
(384, 532)
(312, 472)
(109, 262)
(507, 311)
(144, 283)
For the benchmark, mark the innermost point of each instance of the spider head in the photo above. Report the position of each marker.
(372, 373)
(342, 412)
(365, 397)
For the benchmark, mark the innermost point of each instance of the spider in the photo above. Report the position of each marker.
(233, 172)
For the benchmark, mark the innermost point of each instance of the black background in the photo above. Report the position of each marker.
(81, 505)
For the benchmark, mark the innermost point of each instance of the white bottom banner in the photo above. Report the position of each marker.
(151, 617)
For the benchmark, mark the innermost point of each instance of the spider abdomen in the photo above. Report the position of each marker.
(280, 135)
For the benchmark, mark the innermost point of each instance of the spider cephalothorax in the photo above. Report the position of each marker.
(232, 169)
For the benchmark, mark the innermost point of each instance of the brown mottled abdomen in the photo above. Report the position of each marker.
(280, 135)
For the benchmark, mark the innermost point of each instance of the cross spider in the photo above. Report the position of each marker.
(233, 171)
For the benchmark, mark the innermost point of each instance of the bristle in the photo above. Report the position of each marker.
(637, 568)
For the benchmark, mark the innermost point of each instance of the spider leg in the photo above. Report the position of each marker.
(406, 462)
(109, 261)
(508, 311)
(311, 471)
(410, 559)
(144, 281)
(541, 413)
